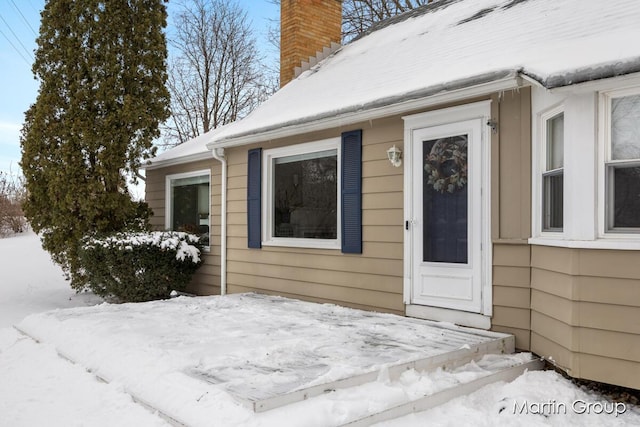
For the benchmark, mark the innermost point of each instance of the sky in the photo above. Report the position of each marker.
(19, 24)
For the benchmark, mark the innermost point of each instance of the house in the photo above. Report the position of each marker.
(471, 161)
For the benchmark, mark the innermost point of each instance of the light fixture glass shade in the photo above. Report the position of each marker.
(394, 154)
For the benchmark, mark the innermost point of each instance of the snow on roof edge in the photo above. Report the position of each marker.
(189, 151)
(597, 72)
(552, 70)
(588, 74)
(379, 104)
(177, 160)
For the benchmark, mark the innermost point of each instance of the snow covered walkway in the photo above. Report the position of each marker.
(39, 388)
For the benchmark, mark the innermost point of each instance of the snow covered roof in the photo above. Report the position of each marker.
(451, 45)
(189, 151)
(449, 48)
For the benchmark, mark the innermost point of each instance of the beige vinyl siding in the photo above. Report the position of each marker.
(512, 166)
(371, 280)
(511, 214)
(374, 279)
(207, 279)
(577, 307)
(512, 292)
(586, 312)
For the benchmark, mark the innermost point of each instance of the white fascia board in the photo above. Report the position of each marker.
(177, 160)
(605, 84)
(512, 81)
(531, 81)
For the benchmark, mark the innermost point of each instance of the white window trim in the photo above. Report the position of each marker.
(267, 195)
(539, 168)
(167, 199)
(604, 153)
(584, 220)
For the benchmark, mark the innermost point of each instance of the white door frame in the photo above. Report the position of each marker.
(482, 111)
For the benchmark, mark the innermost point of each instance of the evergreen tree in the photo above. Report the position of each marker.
(101, 65)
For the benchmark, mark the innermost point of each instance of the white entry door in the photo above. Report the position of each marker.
(448, 221)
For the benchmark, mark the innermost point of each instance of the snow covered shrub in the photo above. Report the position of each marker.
(139, 266)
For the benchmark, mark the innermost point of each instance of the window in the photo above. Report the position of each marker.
(622, 163)
(553, 172)
(307, 195)
(302, 195)
(188, 203)
(600, 167)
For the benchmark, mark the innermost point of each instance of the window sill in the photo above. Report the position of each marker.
(629, 244)
(304, 243)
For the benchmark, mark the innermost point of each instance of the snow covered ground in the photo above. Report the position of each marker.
(30, 282)
(37, 387)
(171, 353)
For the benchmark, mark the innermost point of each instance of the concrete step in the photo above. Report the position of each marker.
(448, 359)
(506, 374)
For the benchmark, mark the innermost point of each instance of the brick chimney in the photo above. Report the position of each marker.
(306, 27)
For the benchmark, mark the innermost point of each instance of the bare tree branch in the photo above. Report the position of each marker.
(357, 16)
(216, 75)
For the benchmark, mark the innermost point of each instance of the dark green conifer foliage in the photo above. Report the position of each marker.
(101, 65)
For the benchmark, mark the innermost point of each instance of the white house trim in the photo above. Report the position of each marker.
(587, 129)
(539, 155)
(168, 218)
(268, 197)
(479, 110)
(156, 164)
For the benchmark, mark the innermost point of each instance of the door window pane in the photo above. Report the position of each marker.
(445, 201)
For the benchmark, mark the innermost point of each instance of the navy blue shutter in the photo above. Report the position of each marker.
(352, 192)
(254, 198)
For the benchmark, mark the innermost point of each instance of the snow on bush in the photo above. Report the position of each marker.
(140, 266)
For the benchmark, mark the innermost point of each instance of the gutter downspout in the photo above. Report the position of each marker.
(218, 154)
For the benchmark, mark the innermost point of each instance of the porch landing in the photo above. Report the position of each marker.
(351, 348)
(191, 358)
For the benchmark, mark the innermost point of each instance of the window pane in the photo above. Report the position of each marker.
(190, 206)
(202, 179)
(553, 201)
(555, 142)
(625, 128)
(445, 200)
(626, 197)
(305, 196)
(304, 156)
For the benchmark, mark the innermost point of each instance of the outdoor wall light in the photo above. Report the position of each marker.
(394, 154)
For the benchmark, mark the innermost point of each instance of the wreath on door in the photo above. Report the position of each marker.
(446, 165)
